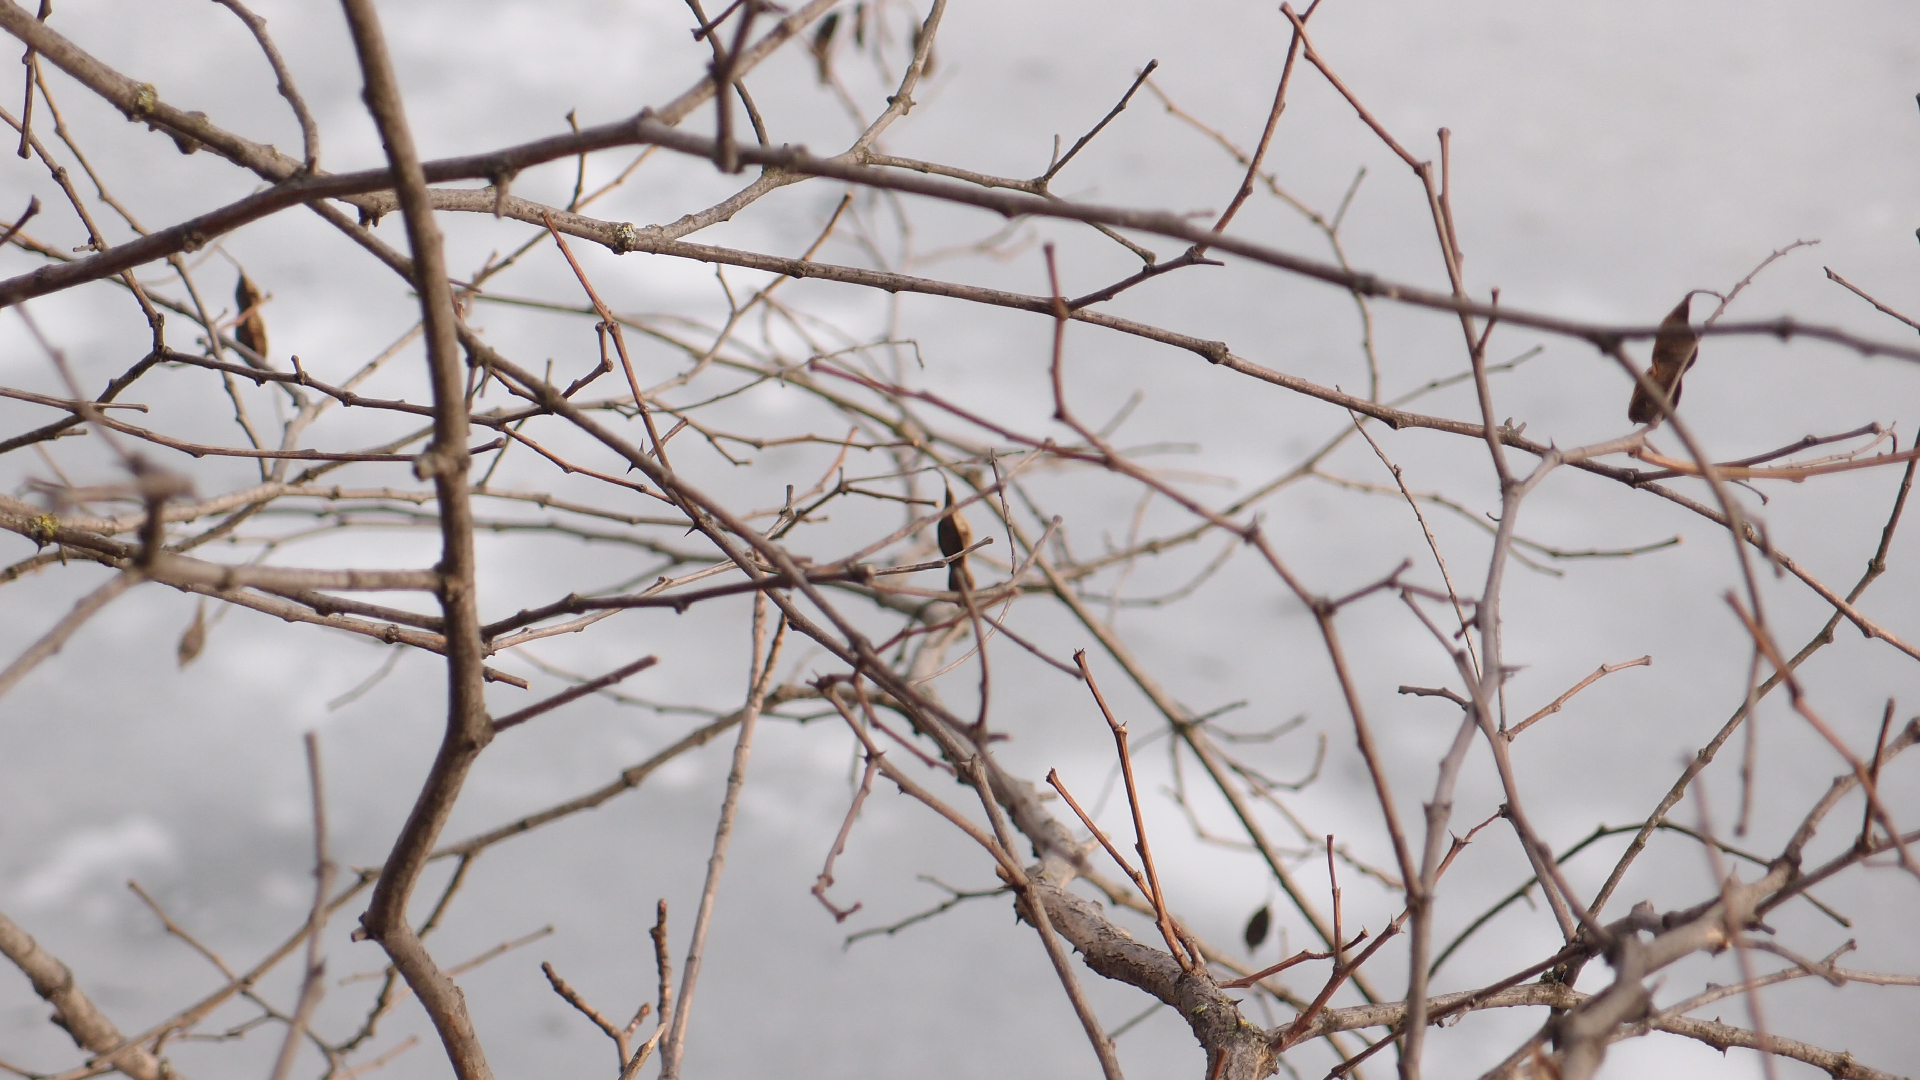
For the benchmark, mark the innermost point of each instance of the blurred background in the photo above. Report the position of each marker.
(1605, 159)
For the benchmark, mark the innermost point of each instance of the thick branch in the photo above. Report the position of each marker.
(73, 1010)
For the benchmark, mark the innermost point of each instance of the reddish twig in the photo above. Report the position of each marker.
(1555, 705)
(825, 881)
(1188, 959)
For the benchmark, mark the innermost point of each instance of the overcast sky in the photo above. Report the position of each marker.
(1606, 158)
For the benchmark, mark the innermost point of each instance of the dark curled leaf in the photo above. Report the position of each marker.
(1257, 928)
(822, 45)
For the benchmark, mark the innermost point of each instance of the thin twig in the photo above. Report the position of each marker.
(313, 986)
(1152, 884)
(760, 673)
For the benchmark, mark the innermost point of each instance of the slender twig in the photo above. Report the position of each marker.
(1556, 704)
(825, 881)
(33, 207)
(1735, 933)
(1152, 884)
(1797, 697)
(1876, 565)
(309, 131)
(619, 1035)
(760, 674)
(1161, 920)
(573, 693)
(1080, 144)
(1878, 306)
(313, 986)
(51, 641)
(1873, 777)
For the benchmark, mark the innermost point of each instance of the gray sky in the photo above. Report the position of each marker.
(1606, 159)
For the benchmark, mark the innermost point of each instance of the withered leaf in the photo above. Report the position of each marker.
(1675, 348)
(1257, 928)
(822, 46)
(251, 329)
(955, 535)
